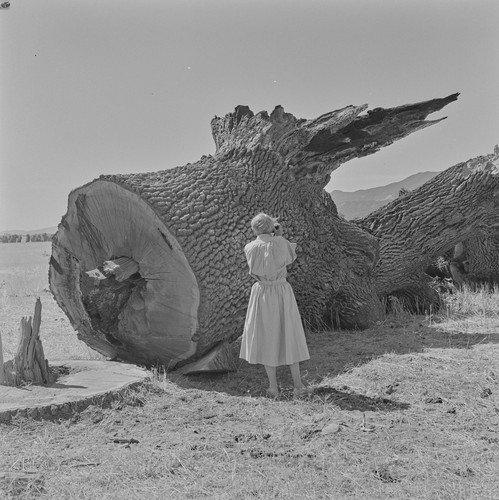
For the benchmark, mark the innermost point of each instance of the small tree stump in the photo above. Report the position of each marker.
(29, 364)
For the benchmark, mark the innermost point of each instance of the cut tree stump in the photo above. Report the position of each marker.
(29, 364)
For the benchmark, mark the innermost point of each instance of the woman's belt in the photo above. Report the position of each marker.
(271, 283)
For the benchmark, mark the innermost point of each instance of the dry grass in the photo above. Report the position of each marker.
(468, 301)
(470, 310)
(23, 278)
(406, 410)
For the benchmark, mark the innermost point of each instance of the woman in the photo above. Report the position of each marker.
(273, 331)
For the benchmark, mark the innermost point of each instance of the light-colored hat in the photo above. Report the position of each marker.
(263, 223)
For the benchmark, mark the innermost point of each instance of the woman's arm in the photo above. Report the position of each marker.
(277, 230)
(287, 249)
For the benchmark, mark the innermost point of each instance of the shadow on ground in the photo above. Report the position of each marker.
(349, 400)
(335, 352)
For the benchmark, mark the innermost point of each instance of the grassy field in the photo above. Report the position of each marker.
(408, 409)
(24, 277)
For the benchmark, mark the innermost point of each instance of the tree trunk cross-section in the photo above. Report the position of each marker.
(150, 267)
(159, 300)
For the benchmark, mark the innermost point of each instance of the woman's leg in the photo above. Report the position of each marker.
(295, 373)
(273, 390)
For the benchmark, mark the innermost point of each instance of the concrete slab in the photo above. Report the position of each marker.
(87, 382)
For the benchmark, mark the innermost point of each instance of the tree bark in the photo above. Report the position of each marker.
(476, 261)
(185, 229)
(2, 372)
(461, 204)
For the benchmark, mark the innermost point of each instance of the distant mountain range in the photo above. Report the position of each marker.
(48, 230)
(364, 201)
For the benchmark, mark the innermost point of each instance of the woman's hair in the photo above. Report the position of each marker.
(263, 223)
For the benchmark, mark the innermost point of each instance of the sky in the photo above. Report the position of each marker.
(93, 87)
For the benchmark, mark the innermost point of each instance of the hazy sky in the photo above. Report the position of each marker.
(114, 86)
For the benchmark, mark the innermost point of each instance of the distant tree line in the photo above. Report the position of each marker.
(26, 238)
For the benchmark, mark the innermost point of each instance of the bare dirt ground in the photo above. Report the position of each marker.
(406, 410)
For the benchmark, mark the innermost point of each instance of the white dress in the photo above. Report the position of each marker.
(273, 332)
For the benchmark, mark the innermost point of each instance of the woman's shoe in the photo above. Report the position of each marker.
(302, 392)
(273, 393)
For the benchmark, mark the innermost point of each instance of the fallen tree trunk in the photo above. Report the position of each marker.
(2, 369)
(459, 204)
(475, 261)
(180, 234)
